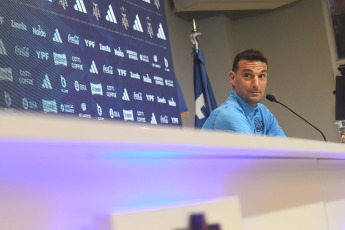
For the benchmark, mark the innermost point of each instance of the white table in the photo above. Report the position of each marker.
(71, 173)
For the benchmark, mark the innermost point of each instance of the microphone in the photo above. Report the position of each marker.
(272, 98)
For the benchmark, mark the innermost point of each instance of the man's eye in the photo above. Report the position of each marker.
(247, 75)
(262, 76)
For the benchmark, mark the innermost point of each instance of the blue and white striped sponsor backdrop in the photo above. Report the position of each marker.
(103, 59)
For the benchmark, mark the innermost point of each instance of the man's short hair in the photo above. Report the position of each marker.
(250, 55)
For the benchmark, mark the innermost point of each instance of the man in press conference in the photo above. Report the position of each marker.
(241, 111)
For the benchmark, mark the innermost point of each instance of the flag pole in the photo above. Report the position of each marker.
(194, 37)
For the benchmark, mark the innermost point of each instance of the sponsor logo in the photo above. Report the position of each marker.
(137, 24)
(174, 120)
(2, 48)
(169, 83)
(161, 100)
(118, 52)
(42, 55)
(83, 108)
(128, 115)
(46, 83)
(124, 18)
(39, 31)
(63, 84)
(172, 102)
(49, 106)
(96, 12)
(60, 59)
(18, 25)
(148, 1)
(111, 91)
(166, 63)
(25, 78)
(125, 96)
(77, 63)
(63, 3)
(63, 81)
(2, 20)
(147, 79)
(8, 99)
(158, 80)
(132, 55)
(100, 112)
(135, 75)
(150, 97)
(140, 117)
(79, 6)
(164, 119)
(65, 108)
(93, 68)
(57, 37)
(122, 72)
(144, 58)
(149, 27)
(113, 113)
(22, 51)
(6, 74)
(28, 104)
(110, 17)
(161, 33)
(90, 43)
(79, 87)
(73, 39)
(105, 48)
(138, 96)
(153, 119)
(96, 89)
(155, 65)
(108, 69)
(157, 4)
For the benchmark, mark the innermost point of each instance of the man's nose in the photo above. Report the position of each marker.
(255, 82)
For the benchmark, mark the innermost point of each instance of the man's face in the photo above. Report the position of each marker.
(249, 81)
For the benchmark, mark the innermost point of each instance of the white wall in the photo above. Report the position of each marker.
(295, 41)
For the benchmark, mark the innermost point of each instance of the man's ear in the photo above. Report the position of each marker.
(232, 77)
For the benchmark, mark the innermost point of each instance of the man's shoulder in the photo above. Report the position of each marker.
(228, 105)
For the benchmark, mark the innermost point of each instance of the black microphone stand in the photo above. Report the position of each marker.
(273, 99)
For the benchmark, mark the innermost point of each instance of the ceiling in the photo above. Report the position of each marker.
(221, 5)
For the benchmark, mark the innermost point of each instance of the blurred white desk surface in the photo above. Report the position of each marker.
(31, 131)
(72, 173)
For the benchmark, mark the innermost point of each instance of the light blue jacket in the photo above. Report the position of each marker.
(238, 116)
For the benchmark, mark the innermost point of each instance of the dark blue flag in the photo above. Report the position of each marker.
(205, 102)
